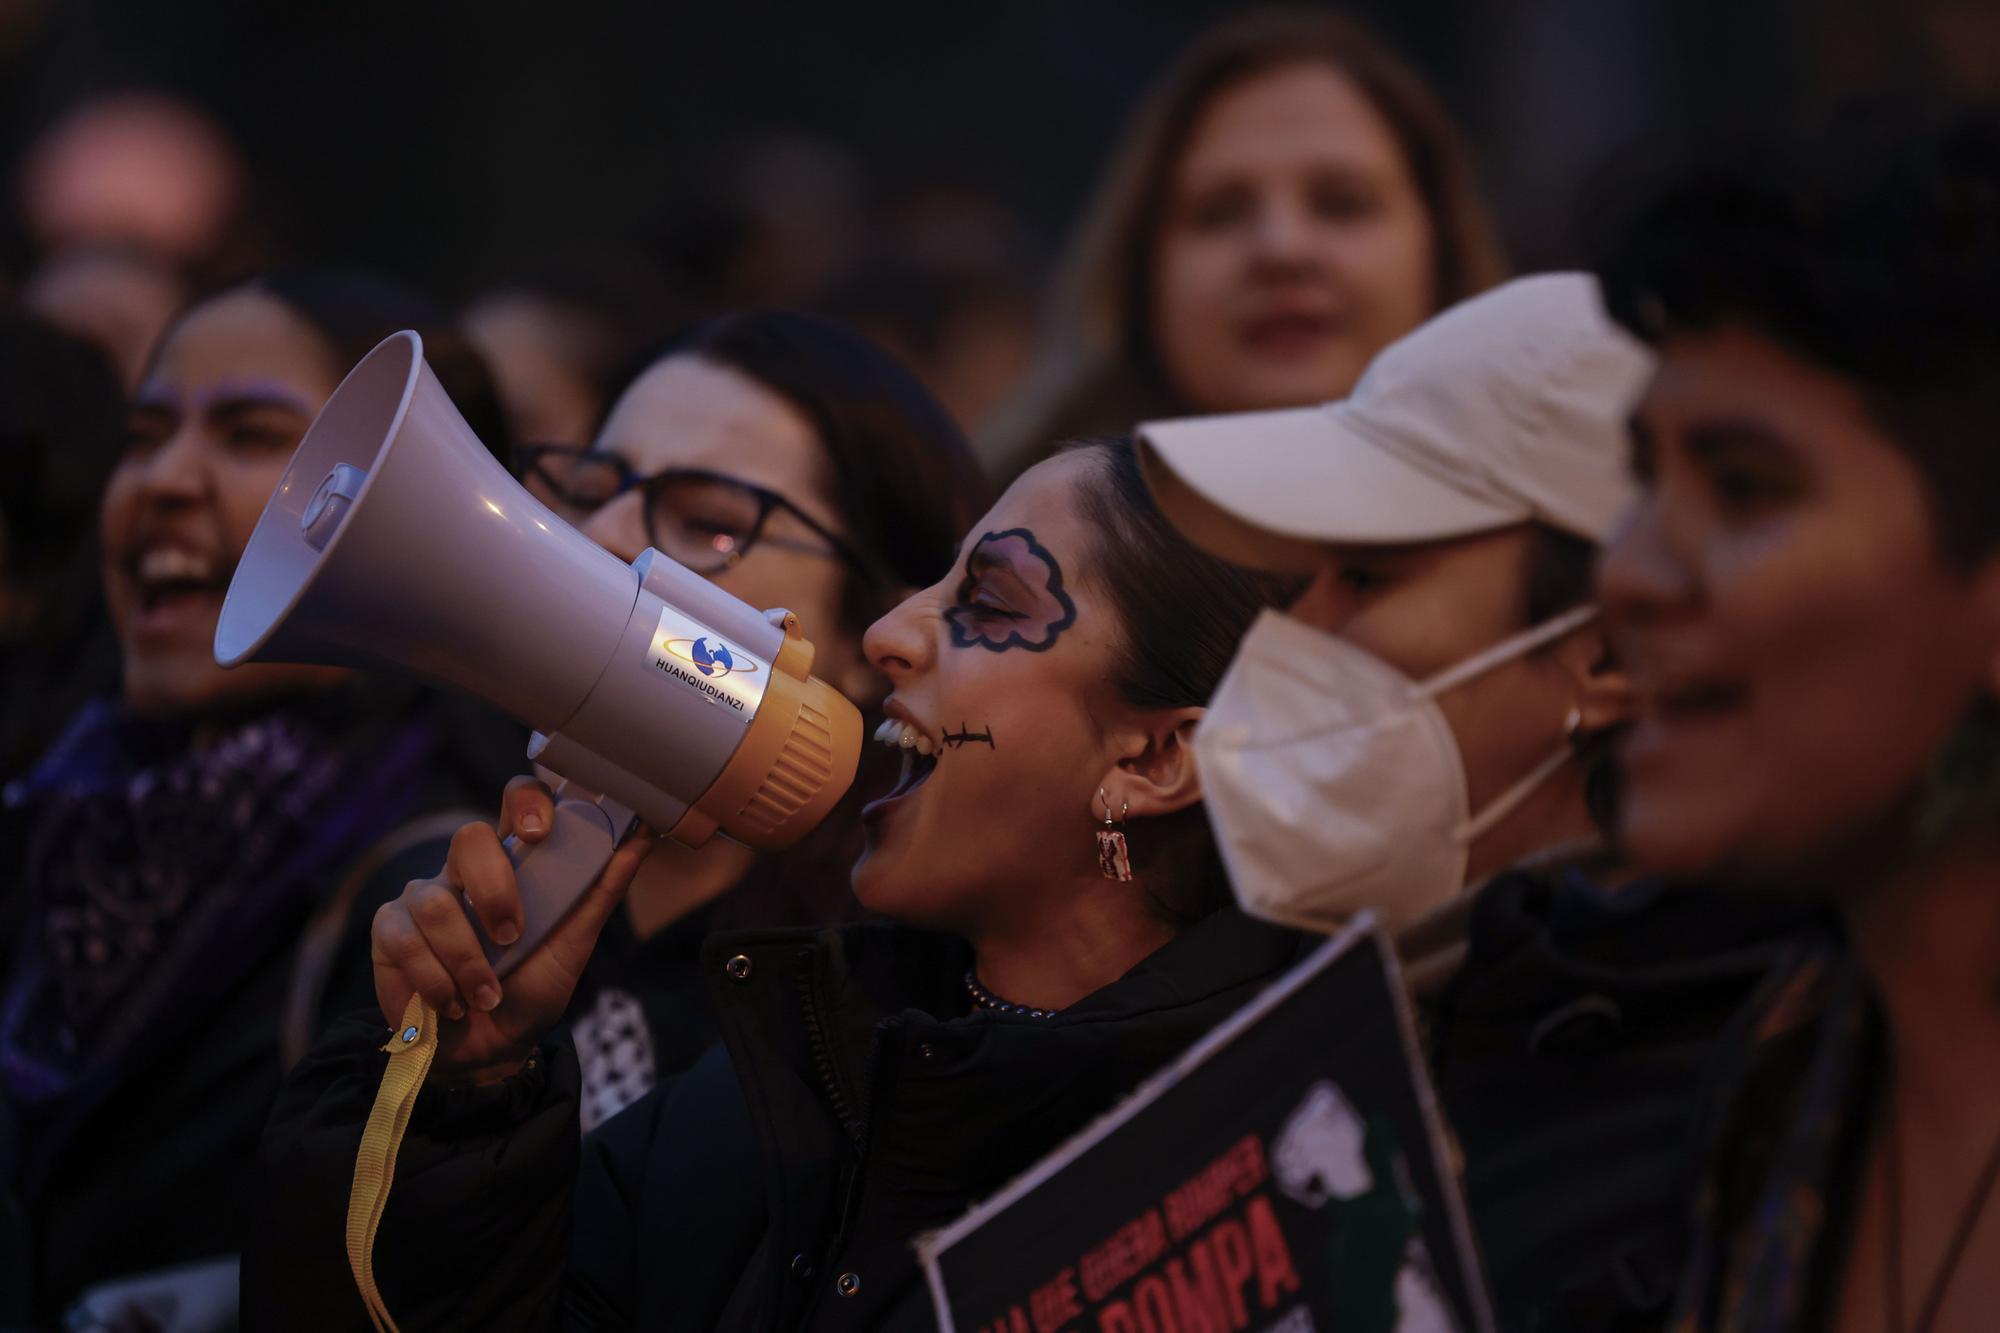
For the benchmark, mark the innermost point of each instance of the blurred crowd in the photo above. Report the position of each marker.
(1626, 641)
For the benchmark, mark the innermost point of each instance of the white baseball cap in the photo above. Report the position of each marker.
(1506, 408)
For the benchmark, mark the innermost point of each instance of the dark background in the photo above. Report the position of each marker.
(449, 141)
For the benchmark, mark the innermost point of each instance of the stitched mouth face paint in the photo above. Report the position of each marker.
(963, 736)
(1011, 597)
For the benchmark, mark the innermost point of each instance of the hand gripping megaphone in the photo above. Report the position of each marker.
(395, 538)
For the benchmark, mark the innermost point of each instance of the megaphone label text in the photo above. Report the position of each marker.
(688, 651)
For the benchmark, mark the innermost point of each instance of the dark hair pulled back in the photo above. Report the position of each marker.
(1183, 613)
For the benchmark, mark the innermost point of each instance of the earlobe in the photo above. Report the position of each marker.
(1608, 700)
(1158, 775)
(1603, 691)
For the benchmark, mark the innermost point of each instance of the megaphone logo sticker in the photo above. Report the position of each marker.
(712, 658)
(695, 655)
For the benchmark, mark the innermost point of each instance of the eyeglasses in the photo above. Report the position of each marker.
(706, 521)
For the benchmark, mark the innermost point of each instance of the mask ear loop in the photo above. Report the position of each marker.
(1518, 645)
(1507, 802)
(1479, 664)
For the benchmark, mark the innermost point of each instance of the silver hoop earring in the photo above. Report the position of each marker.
(1573, 727)
(1113, 856)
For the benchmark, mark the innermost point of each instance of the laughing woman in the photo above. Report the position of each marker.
(1808, 597)
(874, 1081)
(193, 840)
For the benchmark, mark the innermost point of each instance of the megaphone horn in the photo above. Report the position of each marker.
(396, 539)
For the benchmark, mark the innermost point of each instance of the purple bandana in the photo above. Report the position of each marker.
(161, 871)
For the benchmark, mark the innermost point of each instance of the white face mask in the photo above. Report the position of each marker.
(1334, 782)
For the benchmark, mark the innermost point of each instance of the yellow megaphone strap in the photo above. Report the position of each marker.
(411, 1047)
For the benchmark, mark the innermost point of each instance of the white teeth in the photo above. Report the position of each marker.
(164, 564)
(901, 735)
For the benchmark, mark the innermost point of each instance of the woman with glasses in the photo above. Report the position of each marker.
(796, 464)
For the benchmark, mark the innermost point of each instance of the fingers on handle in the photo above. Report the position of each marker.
(527, 810)
(435, 910)
(479, 865)
(603, 897)
(396, 943)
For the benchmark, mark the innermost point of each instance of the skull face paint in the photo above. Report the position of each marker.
(950, 853)
(1011, 597)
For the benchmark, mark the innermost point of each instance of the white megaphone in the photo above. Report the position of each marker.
(396, 538)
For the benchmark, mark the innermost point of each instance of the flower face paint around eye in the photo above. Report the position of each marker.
(1011, 597)
(964, 736)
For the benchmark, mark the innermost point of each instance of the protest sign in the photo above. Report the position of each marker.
(1289, 1172)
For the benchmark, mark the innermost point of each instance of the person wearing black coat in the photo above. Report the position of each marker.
(1581, 1040)
(1062, 931)
(860, 1098)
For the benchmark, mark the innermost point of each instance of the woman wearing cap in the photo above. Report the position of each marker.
(1063, 931)
(1290, 200)
(1808, 597)
(1446, 513)
(1430, 719)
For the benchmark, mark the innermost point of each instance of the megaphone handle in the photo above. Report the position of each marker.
(553, 873)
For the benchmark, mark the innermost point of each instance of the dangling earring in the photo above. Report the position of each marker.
(1112, 856)
(1573, 728)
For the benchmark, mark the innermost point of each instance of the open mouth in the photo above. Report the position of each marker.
(163, 576)
(1677, 711)
(1695, 701)
(1282, 332)
(919, 758)
(154, 596)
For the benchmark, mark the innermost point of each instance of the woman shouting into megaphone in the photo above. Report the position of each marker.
(1058, 931)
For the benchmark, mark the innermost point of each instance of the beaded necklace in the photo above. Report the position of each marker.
(986, 999)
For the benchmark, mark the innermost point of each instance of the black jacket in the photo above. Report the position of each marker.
(776, 1185)
(1581, 1052)
(159, 1173)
